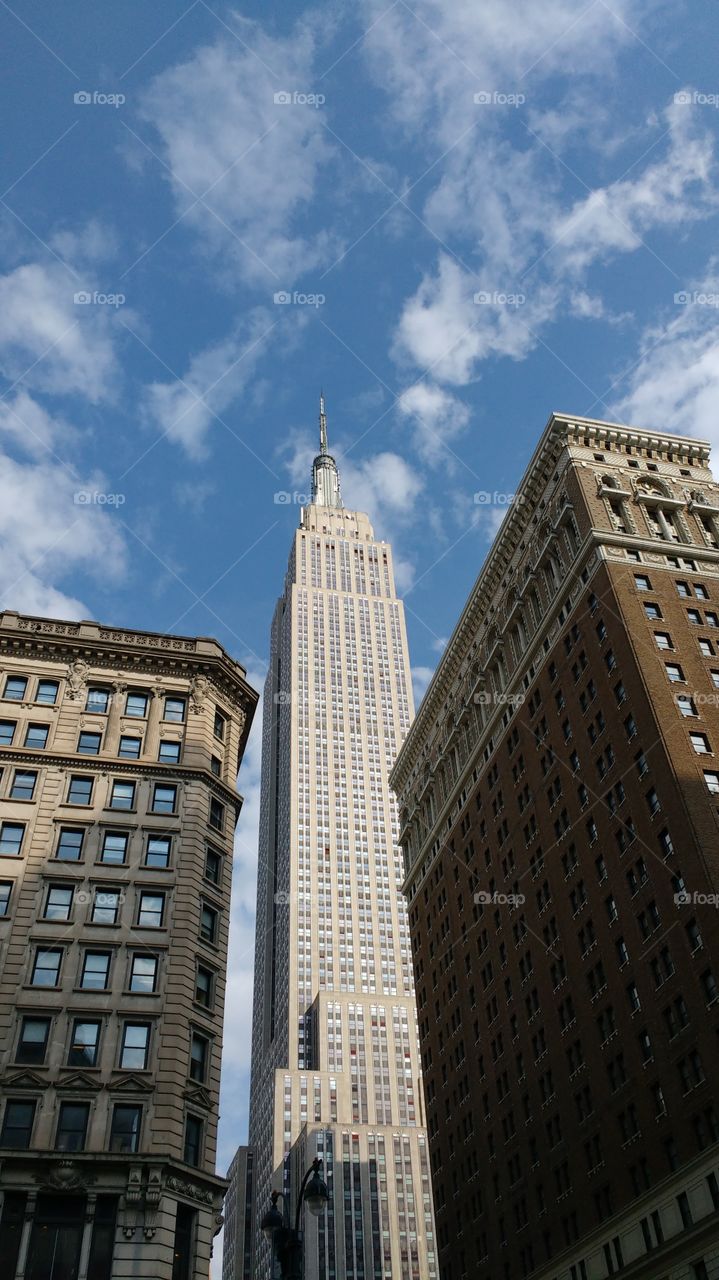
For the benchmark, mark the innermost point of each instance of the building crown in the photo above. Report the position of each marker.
(325, 476)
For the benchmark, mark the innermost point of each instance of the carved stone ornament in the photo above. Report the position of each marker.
(65, 1176)
(77, 674)
(199, 690)
(190, 1189)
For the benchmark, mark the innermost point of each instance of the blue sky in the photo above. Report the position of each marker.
(480, 213)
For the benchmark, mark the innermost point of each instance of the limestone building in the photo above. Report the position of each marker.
(119, 753)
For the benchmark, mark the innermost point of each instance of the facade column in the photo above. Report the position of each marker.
(30, 1210)
(87, 1236)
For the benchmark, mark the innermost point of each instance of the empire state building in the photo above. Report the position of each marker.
(335, 1059)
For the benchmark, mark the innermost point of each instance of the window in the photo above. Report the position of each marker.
(675, 673)
(143, 973)
(712, 619)
(98, 701)
(5, 895)
(7, 732)
(158, 851)
(208, 924)
(216, 765)
(715, 678)
(46, 967)
(193, 1140)
(683, 590)
(169, 752)
(135, 1046)
(220, 725)
(23, 785)
(95, 971)
(58, 902)
(700, 591)
(15, 688)
(125, 1131)
(84, 1044)
(663, 640)
(69, 845)
(706, 649)
(686, 704)
(175, 709)
(114, 847)
(642, 582)
(130, 747)
(151, 910)
(217, 815)
(36, 736)
(88, 744)
(72, 1126)
(213, 866)
(164, 799)
(11, 838)
(199, 1053)
(700, 743)
(652, 610)
(32, 1045)
(106, 906)
(17, 1124)
(712, 781)
(47, 692)
(136, 705)
(695, 617)
(123, 795)
(80, 789)
(204, 986)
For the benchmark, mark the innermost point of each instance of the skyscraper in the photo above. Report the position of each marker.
(335, 1068)
(558, 795)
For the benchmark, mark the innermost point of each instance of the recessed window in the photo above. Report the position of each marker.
(199, 1053)
(169, 752)
(129, 747)
(136, 705)
(694, 617)
(663, 640)
(114, 847)
(80, 789)
(700, 743)
(98, 701)
(712, 781)
(5, 896)
(15, 688)
(58, 902)
(158, 851)
(712, 619)
(72, 1126)
(7, 732)
(151, 910)
(88, 744)
(684, 590)
(32, 1044)
(164, 798)
(23, 785)
(84, 1044)
(204, 986)
(216, 765)
(125, 1131)
(69, 845)
(641, 582)
(220, 725)
(122, 795)
(213, 866)
(715, 678)
(95, 971)
(36, 736)
(193, 1140)
(11, 838)
(706, 649)
(17, 1124)
(686, 704)
(208, 924)
(652, 610)
(700, 591)
(217, 815)
(143, 973)
(46, 967)
(47, 692)
(175, 709)
(106, 906)
(675, 673)
(135, 1046)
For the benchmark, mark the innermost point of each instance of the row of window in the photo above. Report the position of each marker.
(123, 794)
(113, 850)
(89, 743)
(99, 699)
(72, 1126)
(684, 589)
(84, 1046)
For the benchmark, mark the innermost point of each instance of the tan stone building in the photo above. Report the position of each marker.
(559, 807)
(119, 753)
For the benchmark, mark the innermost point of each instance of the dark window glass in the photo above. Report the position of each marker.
(32, 1045)
(143, 973)
(213, 866)
(69, 846)
(125, 1132)
(84, 1044)
(89, 743)
(15, 688)
(203, 986)
(130, 747)
(164, 799)
(102, 1244)
(136, 705)
(72, 1126)
(47, 692)
(152, 907)
(106, 906)
(135, 1046)
(46, 967)
(58, 903)
(5, 895)
(208, 924)
(216, 765)
(11, 837)
(23, 785)
(95, 970)
(198, 1058)
(7, 732)
(114, 847)
(175, 709)
(184, 1243)
(36, 736)
(169, 752)
(80, 790)
(217, 815)
(123, 795)
(158, 851)
(193, 1140)
(220, 725)
(17, 1124)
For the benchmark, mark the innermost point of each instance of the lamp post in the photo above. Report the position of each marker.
(287, 1241)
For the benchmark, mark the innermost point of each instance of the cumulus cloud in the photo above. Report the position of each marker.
(437, 418)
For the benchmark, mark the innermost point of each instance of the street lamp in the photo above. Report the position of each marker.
(287, 1241)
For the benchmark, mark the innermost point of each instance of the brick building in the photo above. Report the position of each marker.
(559, 812)
(118, 759)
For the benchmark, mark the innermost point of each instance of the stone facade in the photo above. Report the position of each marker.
(559, 810)
(119, 753)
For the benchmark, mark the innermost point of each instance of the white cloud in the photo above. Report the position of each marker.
(258, 160)
(421, 677)
(437, 418)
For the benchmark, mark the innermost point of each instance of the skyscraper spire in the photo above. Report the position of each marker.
(325, 476)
